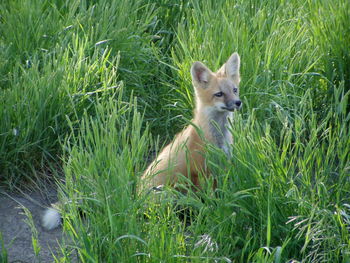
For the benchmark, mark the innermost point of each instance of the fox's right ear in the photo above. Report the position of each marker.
(200, 74)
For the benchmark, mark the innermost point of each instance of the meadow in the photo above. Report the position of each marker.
(91, 90)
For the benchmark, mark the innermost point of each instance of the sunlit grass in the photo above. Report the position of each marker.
(92, 86)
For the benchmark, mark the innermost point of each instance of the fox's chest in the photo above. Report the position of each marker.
(222, 138)
(220, 134)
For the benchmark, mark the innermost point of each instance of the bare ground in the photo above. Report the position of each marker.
(17, 234)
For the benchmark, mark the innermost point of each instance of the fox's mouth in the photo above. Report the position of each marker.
(228, 109)
(232, 108)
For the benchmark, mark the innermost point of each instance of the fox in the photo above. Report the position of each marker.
(216, 97)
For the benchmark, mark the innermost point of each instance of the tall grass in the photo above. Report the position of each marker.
(57, 58)
(96, 87)
(101, 177)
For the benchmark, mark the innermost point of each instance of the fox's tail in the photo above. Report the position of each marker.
(51, 218)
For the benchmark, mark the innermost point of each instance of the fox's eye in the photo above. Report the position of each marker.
(235, 90)
(219, 94)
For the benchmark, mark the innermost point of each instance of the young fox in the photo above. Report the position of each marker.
(217, 96)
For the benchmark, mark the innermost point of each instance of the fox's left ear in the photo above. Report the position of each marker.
(231, 68)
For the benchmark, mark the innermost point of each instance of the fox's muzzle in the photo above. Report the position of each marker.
(233, 105)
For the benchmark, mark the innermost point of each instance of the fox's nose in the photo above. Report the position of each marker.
(233, 104)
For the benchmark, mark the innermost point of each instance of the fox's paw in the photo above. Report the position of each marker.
(51, 218)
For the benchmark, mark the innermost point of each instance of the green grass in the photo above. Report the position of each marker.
(88, 89)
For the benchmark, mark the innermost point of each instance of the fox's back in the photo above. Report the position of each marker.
(184, 155)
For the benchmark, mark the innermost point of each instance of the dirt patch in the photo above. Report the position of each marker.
(16, 232)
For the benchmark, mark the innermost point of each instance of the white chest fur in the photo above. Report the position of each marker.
(219, 130)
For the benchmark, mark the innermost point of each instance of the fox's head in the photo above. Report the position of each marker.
(220, 90)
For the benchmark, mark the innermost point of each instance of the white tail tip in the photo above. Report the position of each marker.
(51, 219)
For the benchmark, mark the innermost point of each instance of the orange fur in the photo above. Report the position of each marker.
(217, 95)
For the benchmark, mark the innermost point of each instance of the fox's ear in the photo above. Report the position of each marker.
(200, 74)
(231, 68)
